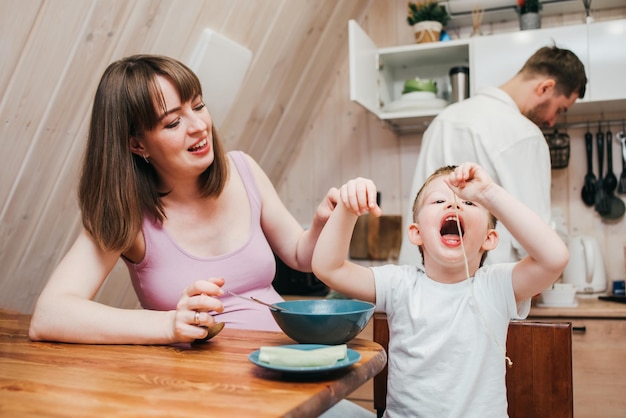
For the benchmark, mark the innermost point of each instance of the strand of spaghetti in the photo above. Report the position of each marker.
(467, 275)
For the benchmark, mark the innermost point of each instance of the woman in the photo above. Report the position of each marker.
(190, 221)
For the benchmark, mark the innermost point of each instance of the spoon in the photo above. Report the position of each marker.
(252, 298)
(213, 331)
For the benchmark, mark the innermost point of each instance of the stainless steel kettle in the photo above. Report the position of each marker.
(585, 269)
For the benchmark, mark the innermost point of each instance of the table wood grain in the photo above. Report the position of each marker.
(214, 379)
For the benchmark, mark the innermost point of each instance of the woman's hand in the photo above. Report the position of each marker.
(327, 205)
(193, 317)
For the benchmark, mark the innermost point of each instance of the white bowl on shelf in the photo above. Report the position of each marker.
(418, 95)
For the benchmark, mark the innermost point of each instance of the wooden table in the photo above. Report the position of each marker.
(212, 379)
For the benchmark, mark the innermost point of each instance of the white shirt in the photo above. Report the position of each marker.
(487, 129)
(447, 341)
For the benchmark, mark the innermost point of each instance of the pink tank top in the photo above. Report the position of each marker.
(167, 269)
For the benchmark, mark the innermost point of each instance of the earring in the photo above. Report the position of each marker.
(145, 157)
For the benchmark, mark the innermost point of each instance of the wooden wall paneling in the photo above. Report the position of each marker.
(32, 89)
(312, 87)
(16, 19)
(49, 208)
(263, 83)
(175, 29)
(30, 153)
(288, 74)
(212, 15)
(237, 124)
(250, 26)
(139, 34)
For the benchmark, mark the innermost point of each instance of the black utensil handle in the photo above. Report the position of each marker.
(609, 151)
(589, 145)
(600, 142)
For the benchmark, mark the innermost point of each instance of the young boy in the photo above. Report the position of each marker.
(448, 322)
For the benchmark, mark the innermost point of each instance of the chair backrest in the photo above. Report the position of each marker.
(539, 384)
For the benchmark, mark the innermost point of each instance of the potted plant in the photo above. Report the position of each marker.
(428, 19)
(529, 17)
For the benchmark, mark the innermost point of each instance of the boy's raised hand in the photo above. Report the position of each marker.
(469, 181)
(359, 196)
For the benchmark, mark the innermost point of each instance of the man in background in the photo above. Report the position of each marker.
(500, 129)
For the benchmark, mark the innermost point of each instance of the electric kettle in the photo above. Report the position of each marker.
(585, 269)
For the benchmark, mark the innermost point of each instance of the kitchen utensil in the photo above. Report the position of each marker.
(610, 180)
(616, 208)
(602, 203)
(477, 18)
(213, 331)
(621, 138)
(615, 205)
(269, 305)
(585, 268)
(588, 191)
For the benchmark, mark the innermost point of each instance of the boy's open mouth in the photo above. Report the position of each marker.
(450, 229)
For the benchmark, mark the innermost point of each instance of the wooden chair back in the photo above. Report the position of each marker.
(539, 384)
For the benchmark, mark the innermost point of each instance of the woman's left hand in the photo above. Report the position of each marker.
(327, 205)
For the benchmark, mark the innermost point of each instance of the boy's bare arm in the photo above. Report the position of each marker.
(547, 253)
(330, 262)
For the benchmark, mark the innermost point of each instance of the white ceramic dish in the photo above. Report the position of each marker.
(418, 95)
(408, 105)
(559, 294)
(351, 358)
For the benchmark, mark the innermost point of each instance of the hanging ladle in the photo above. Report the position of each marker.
(252, 298)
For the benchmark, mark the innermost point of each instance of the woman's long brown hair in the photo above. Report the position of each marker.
(118, 188)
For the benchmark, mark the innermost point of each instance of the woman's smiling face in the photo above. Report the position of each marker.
(182, 143)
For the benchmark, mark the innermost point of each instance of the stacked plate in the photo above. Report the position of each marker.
(417, 100)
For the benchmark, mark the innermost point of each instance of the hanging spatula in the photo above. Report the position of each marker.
(621, 185)
(588, 192)
(602, 201)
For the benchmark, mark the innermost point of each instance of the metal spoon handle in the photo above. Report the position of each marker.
(269, 305)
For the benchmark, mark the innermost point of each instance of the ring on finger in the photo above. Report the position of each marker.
(196, 318)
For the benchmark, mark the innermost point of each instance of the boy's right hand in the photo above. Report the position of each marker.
(359, 196)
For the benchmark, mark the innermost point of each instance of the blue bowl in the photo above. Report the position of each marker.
(323, 321)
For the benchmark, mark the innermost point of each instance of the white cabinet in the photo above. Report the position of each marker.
(377, 75)
(607, 60)
(497, 58)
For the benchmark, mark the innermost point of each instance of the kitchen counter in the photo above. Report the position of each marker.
(588, 307)
(598, 347)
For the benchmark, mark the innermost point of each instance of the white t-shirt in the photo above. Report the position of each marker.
(446, 348)
(487, 129)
